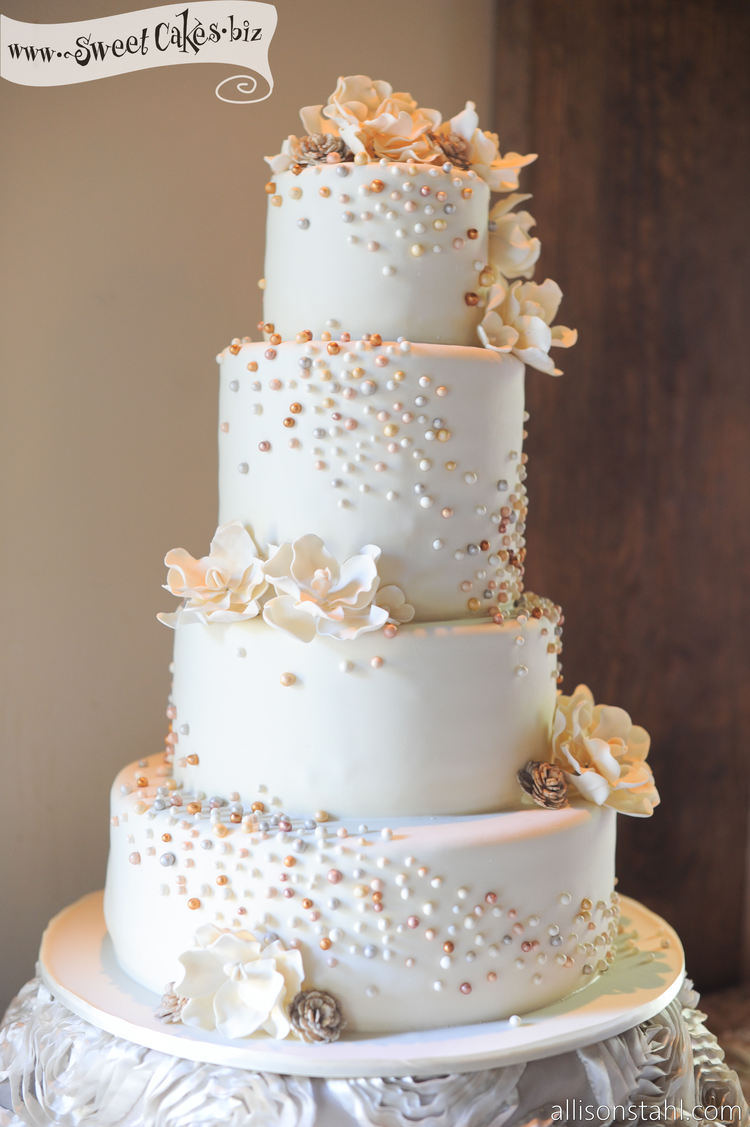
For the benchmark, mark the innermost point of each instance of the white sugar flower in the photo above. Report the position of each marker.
(518, 319)
(512, 252)
(237, 985)
(393, 600)
(357, 97)
(223, 586)
(483, 151)
(396, 136)
(603, 754)
(317, 595)
(372, 119)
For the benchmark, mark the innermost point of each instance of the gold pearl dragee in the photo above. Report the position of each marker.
(270, 188)
(193, 903)
(287, 679)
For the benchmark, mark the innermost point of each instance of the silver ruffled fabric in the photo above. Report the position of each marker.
(60, 1070)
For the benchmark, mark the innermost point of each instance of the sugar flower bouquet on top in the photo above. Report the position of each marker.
(365, 120)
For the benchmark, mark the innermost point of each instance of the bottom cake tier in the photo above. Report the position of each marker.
(409, 923)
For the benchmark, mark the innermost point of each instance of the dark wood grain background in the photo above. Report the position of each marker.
(639, 471)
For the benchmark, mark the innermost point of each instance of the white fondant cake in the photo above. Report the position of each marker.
(373, 811)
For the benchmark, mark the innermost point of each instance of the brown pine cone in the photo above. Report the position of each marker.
(316, 1015)
(170, 1006)
(546, 783)
(316, 147)
(455, 147)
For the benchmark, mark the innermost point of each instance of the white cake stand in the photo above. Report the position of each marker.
(78, 966)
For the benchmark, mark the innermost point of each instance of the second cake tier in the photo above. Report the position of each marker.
(415, 448)
(436, 720)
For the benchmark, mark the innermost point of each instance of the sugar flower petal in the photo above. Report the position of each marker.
(244, 1001)
(393, 600)
(285, 613)
(314, 122)
(512, 251)
(202, 974)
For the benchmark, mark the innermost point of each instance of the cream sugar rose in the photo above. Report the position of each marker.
(371, 790)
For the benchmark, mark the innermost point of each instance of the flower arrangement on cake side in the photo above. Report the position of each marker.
(312, 592)
(598, 754)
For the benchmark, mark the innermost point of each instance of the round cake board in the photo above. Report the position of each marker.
(78, 965)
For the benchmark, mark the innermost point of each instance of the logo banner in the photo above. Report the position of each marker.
(236, 33)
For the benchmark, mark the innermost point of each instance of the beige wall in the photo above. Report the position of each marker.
(132, 228)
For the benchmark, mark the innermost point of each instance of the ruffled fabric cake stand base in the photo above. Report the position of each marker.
(79, 1046)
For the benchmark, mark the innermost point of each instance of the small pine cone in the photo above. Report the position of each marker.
(546, 784)
(316, 1016)
(170, 1006)
(317, 147)
(455, 147)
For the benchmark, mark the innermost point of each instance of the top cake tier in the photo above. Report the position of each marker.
(398, 249)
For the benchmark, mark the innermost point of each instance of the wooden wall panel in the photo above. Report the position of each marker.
(639, 472)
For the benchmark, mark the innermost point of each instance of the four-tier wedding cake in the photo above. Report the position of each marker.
(375, 812)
